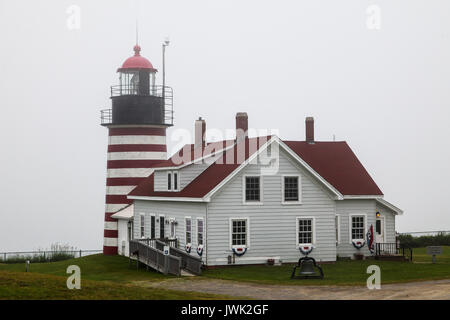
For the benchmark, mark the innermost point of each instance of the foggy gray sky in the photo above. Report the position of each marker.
(386, 92)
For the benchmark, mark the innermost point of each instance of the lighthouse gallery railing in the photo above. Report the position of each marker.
(158, 91)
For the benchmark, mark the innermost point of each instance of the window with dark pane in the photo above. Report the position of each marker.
(142, 226)
(357, 227)
(188, 230)
(161, 227)
(169, 181)
(291, 189)
(175, 181)
(305, 231)
(152, 227)
(200, 231)
(239, 232)
(378, 226)
(252, 189)
(336, 226)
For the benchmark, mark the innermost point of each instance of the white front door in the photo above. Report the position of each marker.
(172, 229)
(379, 230)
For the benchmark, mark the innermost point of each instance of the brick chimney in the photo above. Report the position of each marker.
(309, 124)
(200, 131)
(241, 126)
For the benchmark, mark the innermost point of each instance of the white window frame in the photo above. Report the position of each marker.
(350, 225)
(313, 228)
(261, 188)
(142, 225)
(247, 227)
(203, 232)
(172, 180)
(185, 230)
(338, 228)
(299, 201)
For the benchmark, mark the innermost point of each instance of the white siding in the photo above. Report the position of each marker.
(272, 225)
(160, 180)
(344, 209)
(174, 210)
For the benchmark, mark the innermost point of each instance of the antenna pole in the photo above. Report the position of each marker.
(164, 45)
(137, 31)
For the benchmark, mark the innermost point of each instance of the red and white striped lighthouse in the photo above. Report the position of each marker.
(137, 122)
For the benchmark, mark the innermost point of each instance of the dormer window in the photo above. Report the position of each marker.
(169, 181)
(175, 181)
(172, 181)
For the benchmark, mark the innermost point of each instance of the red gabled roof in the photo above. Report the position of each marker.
(188, 153)
(209, 178)
(334, 161)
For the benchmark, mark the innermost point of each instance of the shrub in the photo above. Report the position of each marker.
(441, 239)
(57, 252)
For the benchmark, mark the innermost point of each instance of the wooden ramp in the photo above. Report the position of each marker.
(177, 262)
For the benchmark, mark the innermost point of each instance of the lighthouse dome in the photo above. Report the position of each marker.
(137, 62)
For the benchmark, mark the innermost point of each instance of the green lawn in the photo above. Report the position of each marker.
(102, 277)
(35, 286)
(344, 272)
(110, 277)
(94, 267)
(420, 255)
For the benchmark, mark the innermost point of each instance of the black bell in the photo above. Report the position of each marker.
(308, 269)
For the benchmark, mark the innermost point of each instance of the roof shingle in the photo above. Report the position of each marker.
(334, 161)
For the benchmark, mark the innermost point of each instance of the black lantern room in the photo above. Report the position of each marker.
(137, 100)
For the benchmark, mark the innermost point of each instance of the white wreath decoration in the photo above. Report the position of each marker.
(239, 251)
(358, 244)
(200, 250)
(188, 248)
(306, 249)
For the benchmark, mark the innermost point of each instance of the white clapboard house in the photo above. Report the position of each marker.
(248, 200)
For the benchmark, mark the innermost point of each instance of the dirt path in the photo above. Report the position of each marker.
(439, 289)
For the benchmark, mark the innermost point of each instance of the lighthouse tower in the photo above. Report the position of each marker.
(137, 122)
